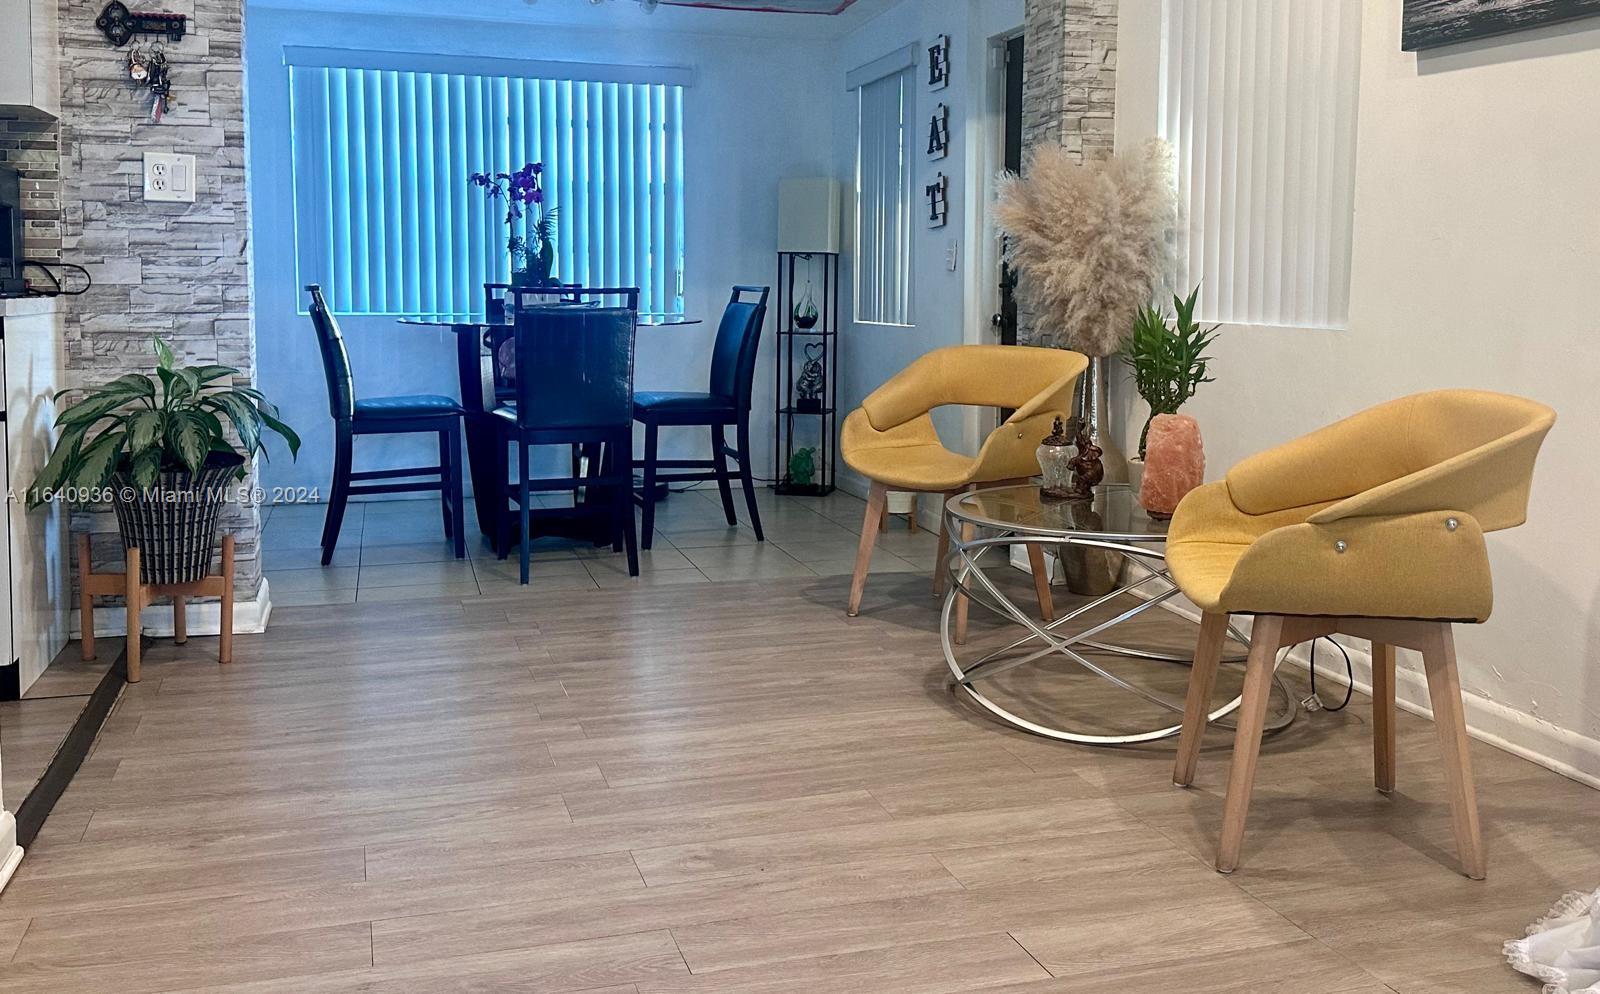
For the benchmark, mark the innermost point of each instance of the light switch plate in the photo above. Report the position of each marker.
(169, 177)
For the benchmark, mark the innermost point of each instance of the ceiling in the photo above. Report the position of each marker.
(772, 6)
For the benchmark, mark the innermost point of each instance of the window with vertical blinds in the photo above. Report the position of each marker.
(885, 150)
(388, 223)
(1258, 98)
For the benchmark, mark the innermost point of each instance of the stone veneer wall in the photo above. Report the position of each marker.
(33, 149)
(1069, 92)
(180, 270)
(1069, 87)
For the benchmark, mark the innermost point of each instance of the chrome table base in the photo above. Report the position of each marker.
(1052, 640)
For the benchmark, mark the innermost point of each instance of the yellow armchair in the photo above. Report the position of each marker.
(1372, 527)
(891, 439)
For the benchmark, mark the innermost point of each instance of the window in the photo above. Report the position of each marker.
(1258, 97)
(388, 223)
(884, 202)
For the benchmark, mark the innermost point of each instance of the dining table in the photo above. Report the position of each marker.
(487, 461)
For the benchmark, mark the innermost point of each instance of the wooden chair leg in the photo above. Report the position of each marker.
(968, 532)
(1383, 752)
(1449, 718)
(180, 619)
(134, 595)
(225, 641)
(719, 461)
(343, 455)
(1197, 708)
(444, 481)
(747, 478)
(458, 504)
(647, 531)
(1252, 718)
(883, 517)
(911, 519)
(876, 498)
(939, 574)
(85, 599)
(1041, 581)
(524, 512)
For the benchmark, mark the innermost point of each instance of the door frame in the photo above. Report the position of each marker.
(985, 155)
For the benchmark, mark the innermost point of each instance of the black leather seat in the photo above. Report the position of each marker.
(420, 405)
(416, 414)
(693, 408)
(733, 370)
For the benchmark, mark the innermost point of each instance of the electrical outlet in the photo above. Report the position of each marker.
(169, 177)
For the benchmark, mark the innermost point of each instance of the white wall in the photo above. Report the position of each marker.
(1476, 246)
(753, 116)
(949, 308)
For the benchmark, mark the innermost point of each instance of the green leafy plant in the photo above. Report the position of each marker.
(144, 425)
(1168, 362)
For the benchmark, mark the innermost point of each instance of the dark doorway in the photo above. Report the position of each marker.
(1006, 319)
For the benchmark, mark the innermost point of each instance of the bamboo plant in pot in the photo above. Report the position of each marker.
(157, 448)
(1168, 360)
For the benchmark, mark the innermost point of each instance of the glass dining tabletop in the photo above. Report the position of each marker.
(1112, 515)
(482, 321)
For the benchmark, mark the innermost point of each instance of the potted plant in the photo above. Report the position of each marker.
(1169, 362)
(157, 448)
(533, 255)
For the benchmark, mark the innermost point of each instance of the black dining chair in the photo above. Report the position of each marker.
(727, 402)
(574, 387)
(407, 415)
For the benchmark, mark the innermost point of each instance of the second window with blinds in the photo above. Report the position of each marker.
(884, 197)
(388, 222)
(1258, 99)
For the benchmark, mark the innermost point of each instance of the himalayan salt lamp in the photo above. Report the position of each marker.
(1174, 463)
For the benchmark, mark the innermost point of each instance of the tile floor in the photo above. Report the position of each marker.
(395, 550)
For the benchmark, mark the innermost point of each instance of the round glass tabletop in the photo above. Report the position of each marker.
(1112, 515)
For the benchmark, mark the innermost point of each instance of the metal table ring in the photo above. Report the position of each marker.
(1112, 522)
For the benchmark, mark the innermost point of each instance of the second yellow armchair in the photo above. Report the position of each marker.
(891, 439)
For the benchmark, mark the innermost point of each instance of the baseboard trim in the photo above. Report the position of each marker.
(249, 618)
(69, 757)
(1574, 756)
(8, 845)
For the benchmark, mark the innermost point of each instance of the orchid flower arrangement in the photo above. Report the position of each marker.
(523, 195)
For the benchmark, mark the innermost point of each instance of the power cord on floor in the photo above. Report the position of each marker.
(1314, 702)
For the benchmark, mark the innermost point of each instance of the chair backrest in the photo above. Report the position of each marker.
(1471, 451)
(574, 366)
(1024, 377)
(733, 357)
(335, 360)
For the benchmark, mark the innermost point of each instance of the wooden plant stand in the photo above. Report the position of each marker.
(139, 594)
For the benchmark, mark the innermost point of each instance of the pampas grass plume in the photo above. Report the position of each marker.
(1092, 241)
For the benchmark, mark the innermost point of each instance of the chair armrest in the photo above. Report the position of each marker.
(1341, 460)
(1390, 566)
(1011, 452)
(1492, 480)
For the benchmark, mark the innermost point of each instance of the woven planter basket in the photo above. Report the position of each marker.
(174, 522)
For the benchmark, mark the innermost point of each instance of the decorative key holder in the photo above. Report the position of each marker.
(120, 25)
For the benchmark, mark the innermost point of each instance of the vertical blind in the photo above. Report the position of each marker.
(387, 221)
(1258, 98)
(884, 200)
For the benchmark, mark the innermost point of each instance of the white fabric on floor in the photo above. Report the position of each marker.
(1563, 948)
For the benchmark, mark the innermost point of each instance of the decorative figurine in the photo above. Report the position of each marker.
(803, 467)
(1055, 464)
(811, 381)
(1087, 471)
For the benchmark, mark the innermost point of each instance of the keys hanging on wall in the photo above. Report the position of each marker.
(149, 69)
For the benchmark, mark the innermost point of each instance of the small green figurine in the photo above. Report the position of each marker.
(803, 467)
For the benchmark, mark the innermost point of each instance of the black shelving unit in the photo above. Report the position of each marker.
(798, 427)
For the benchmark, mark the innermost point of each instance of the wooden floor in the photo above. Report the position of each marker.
(733, 788)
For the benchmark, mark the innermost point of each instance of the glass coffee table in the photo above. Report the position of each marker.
(1113, 528)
